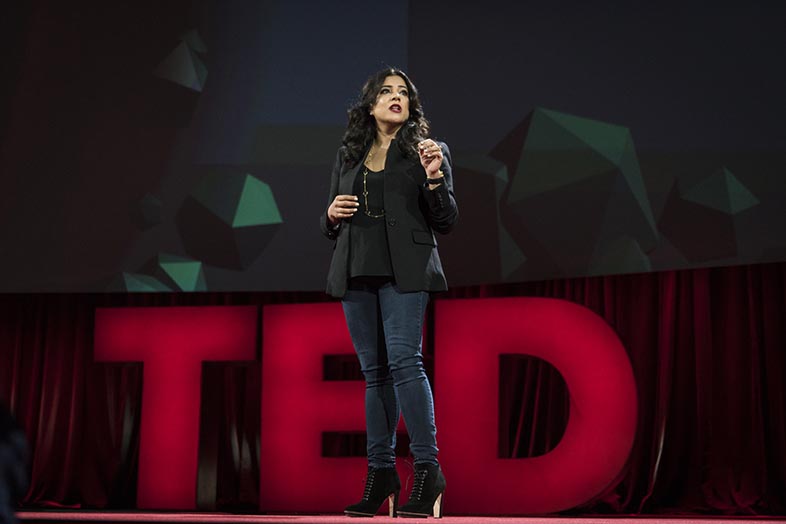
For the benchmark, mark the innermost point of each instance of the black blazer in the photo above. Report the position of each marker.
(412, 214)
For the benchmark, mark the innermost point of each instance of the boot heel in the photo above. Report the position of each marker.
(428, 490)
(381, 484)
(393, 504)
(437, 509)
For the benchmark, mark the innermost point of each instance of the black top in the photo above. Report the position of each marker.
(413, 213)
(369, 251)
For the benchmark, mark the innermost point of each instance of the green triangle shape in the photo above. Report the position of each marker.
(187, 275)
(178, 67)
(553, 158)
(220, 193)
(185, 272)
(740, 198)
(200, 71)
(257, 206)
(194, 41)
(629, 167)
(136, 283)
(607, 139)
(721, 191)
(710, 192)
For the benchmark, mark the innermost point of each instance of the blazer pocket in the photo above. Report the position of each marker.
(423, 237)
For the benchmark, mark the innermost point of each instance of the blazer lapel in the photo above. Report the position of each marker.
(396, 161)
(347, 181)
(403, 167)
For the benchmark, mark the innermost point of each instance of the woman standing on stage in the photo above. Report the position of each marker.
(390, 189)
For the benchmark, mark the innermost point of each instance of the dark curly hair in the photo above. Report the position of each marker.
(362, 128)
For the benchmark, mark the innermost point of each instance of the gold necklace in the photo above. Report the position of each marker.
(365, 185)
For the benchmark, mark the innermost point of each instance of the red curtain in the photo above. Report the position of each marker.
(708, 348)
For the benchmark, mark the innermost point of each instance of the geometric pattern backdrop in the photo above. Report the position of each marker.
(194, 153)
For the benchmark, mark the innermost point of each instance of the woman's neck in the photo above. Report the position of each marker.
(385, 136)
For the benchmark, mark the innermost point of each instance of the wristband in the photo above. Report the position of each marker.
(438, 180)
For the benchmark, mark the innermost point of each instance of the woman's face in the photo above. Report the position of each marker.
(392, 105)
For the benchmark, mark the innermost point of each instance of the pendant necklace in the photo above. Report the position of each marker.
(365, 185)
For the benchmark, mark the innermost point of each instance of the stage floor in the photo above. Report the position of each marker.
(42, 517)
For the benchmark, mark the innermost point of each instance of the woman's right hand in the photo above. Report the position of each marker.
(343, 206)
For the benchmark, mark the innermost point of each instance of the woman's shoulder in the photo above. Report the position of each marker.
(342, 155)
(345, 155)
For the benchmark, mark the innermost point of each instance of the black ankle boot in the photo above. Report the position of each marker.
(381, 484)
(425, 499)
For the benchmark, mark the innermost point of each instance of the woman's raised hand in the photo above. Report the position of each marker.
(343, 206)
(430, 157)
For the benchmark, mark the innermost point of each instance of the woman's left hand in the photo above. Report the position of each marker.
(430, 157)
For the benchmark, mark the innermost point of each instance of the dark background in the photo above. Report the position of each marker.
(101, 147)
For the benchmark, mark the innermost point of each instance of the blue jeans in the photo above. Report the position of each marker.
(386, 326)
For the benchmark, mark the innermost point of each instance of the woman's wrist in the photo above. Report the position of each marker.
(433, 183)
(438, 177)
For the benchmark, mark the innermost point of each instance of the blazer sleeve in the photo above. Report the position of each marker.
(441, 202)
(332, 231)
